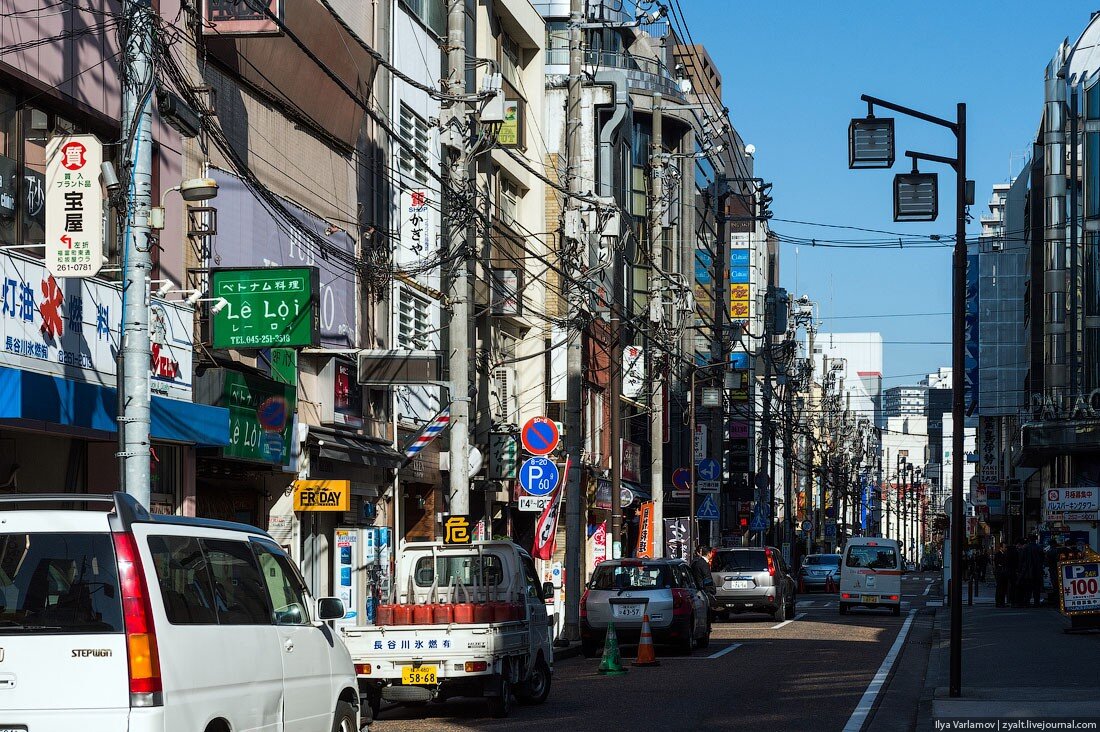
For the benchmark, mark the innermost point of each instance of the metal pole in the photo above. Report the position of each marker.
(574, 356)
(788, 464)
(616, 409)
(459, 295)
(958, 416)
(718, 352)
(137, 264)
(691, 487)
(656, 413)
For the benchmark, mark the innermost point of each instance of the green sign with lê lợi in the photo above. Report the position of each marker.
(263, 308)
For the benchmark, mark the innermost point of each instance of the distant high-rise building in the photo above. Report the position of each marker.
(861, 354)
(905, 401)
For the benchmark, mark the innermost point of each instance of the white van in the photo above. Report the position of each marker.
(870, 574)
(121, 621)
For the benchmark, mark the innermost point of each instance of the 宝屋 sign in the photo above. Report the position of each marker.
(69, 328)
(1080, 587)
(1072, 500)
(74, 206)
(322, 495)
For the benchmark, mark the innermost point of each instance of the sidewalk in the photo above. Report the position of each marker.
(1017, 662)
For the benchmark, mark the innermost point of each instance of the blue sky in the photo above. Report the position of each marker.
(793, 73)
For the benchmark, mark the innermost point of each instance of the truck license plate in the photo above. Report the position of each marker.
(868, 598)
(419, 675)
(629, 611)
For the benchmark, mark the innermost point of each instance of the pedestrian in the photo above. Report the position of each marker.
(1013, 553)
(1000, 574)
(983, 563)
(1031, 572)
(700, 567)
(1054, 555)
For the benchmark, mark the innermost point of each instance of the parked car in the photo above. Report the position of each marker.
(870, 575)
(121, 621)
(819, 571)
(625, 590)
(753, 580)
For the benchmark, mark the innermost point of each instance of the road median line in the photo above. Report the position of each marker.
(867, 701)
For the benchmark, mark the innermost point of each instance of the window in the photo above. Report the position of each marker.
(509, 199)
(464, 569)
(59, 582)
(431, 13)
(534, 585)
(184, 580)
(284, 587)
(510, 59)
(632, 577)
(240, 596)
(1092, 174)
(414, 130)
(413, 320)
(754, 560)
(872, 557)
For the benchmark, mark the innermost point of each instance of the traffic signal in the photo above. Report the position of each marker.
(763, 200)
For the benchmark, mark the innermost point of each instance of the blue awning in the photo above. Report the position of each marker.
(27, 395)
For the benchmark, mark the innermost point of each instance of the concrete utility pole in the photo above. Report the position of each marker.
(574, 357)
(133, 378)
(656, 316)
(459, 291)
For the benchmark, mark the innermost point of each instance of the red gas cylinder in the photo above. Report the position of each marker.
(443, 614)
(502, 611)
(402, 614)
(422, 615)
(464, 612)
(518, 611)
(483, 613)
(384, 616)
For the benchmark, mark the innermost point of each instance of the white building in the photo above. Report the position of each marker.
(861, 354)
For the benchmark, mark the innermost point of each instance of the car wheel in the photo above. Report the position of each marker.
(537, 687)
(688, 644)
(896, 610)
(792, 605)
(780, 613)
(704, 642)
(344, 719)
(500, 706)
(374, 703)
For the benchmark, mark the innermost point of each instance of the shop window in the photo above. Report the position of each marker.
(414, 130)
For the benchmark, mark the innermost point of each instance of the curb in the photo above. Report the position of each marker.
(571, 651)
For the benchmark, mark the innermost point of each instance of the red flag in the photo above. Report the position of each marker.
(546, 528)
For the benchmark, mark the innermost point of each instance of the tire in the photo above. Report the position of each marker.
(896, 611)
(344, 719)
(843, 608)
(780, 613)
(374, 703)
(688, 644)
(537, 687)
(792, 606)
(704, 642)
(500, 706)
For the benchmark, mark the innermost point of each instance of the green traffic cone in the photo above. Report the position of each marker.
(612, 662)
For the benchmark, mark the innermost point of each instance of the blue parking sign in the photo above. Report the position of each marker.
(538, 476)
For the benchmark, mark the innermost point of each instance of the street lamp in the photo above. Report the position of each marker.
(963, 196)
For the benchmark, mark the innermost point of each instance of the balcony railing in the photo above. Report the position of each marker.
(644, 74)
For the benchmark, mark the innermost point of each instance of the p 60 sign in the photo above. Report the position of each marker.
(1080, 587)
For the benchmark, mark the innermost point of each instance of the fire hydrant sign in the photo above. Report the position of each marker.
(1080, 587)
(276, 306)
(74, 206)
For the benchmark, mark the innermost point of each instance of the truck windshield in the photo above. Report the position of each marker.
(632, 577)
(464, 569)
(58, 583)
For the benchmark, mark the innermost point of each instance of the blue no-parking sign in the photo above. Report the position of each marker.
(538, 476)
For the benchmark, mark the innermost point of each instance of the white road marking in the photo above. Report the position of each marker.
(927, 590)
(723, 652)
(867, 701)
(788, 622)
(934, 603)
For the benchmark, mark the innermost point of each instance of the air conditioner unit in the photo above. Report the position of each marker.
(502, 395)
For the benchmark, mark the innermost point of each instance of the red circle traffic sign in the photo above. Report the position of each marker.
(681, 479)
(539, 436)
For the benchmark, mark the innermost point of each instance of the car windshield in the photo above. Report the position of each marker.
(752, 560)
(832, 560)
(632, 577)
(872, 557)
(58, 583)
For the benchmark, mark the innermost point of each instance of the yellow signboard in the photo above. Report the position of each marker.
(322, 495)
(740, 294)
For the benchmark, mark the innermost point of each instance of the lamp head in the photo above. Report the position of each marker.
(199, 189)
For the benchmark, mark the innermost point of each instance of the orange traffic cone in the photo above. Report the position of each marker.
(646, 654)
(801, 585)
(830, 586)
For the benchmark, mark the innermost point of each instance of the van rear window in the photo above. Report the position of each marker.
(58, 583)
(872, 557)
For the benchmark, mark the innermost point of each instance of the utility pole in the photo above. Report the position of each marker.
(810, 439)
(616, 358)
(459, 294)
(656, 316)
(574, 357)
(718, 353)
(133, 383)
(788, 462)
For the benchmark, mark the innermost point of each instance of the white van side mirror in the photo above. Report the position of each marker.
(330, 608)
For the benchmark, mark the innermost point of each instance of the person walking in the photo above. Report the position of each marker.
(983, 564)
(1031, 572)
(1013, 552)
(700, 567)
(1054, 555)
(1001, 575)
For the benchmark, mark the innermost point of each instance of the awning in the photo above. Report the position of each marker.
(1043, 440)
(355, 449)
(53, 400)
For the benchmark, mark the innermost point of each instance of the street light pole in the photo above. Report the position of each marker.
(958, 364)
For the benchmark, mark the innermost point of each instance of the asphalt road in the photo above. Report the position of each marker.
(806, 674)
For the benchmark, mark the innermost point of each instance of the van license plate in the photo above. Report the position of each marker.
(630, 611)
(419, 675)
(868, 598)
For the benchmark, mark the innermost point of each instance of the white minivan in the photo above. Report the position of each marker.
(870, 574)
(120, 621)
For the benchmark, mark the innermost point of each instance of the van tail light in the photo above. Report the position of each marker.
(681, 601)
(895, 597)
(362, 669)
(845, 596)
(771, 562)
(146, 689)
(584, 604)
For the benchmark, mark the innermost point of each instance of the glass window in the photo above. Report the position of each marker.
(59, 583)
(632, 577)
(464, 569)
(240, 595)
(184, 578)
(431, 13)
(1092, 102)
(822, 560)
(1092, 358)
(534, 585)
(1092, 174)
(414, 130)
(284, 588)
(510, 59)
(752, 560)
(872, 557)
(1092, 274)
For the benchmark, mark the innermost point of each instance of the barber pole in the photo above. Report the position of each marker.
(432, 430)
